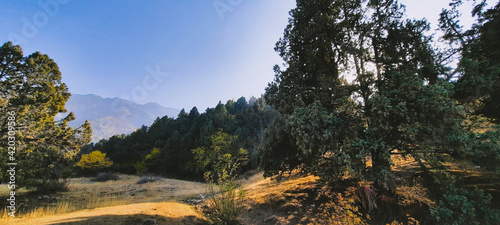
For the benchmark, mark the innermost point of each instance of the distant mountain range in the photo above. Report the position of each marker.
(112, 116)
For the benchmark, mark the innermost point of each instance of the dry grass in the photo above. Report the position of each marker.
(267, 190)
(295, 200)
(275, 202)
(86, 194)
(164, 213)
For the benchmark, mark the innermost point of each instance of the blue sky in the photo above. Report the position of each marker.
(176, 53)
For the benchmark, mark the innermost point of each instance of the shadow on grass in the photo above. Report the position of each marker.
(138, 219)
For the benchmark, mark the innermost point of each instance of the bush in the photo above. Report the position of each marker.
(226, 204)
(147, 179)
(93, 162)
(51, 186)
(106, 176)
(459, 206)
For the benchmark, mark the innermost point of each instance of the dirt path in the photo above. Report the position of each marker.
(171, 213)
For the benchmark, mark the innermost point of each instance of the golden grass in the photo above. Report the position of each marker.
(266, 190)
(163, 213)
(85, 194)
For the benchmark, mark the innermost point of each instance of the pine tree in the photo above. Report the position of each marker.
(398, 101)
(31, 88)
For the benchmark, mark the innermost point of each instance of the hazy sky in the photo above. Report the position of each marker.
(176, 53)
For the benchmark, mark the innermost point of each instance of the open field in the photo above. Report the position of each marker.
(85, 194)
(293, 200)
(164, 213)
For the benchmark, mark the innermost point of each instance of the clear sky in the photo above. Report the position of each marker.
(176, 53)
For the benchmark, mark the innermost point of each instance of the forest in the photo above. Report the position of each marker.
(361, 85)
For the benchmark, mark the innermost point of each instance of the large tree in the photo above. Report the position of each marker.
(399, 101)
(477, 75)
(31, 88)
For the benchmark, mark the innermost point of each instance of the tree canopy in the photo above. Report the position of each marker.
(402, 98)
(31, 88)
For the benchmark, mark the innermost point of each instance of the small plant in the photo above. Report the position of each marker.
(106, 176)
(226, 204)
(148, 179)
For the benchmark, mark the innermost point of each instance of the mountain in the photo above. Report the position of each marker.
(111, 116)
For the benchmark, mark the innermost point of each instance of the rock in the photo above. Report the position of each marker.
(194, 201)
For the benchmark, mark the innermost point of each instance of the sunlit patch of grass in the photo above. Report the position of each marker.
(89, 201)
(5, 191)
(84, 193)
(416, 194)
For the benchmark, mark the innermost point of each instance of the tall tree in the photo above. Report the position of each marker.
(478, 49)
(311, 94)
(398, 101)
(32, 89)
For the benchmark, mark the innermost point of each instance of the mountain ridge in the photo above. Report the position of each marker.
(113, 116)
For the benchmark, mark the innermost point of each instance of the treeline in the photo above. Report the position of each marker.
(166, 147)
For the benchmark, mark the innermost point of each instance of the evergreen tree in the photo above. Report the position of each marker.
(478, 72)
(398, 102)
(31, 88)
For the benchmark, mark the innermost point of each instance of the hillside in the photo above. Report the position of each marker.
(111, 116)
(296, 199)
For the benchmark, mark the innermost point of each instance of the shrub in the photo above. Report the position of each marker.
(106, 176)
(94, 161)
(459, 206)
(226, 204)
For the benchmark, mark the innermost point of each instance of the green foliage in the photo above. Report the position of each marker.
(222, 152)
(150, 162)
(166, 146)
(226, 204)
(94, 161)
(402, 104)
(479, 68)
(459, 206)
(31, 88)
(278, 151)
(402, 99)
(486, 149)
